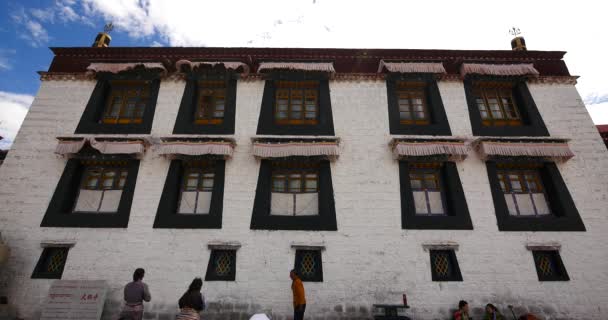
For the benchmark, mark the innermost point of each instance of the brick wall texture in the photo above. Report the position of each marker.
(370, 259)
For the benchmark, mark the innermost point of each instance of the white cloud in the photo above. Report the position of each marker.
(599, 112)
(13, 108)
(5, 63)
(45, 15)
(30, 29)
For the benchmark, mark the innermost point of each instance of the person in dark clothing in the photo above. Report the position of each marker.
(192, 302)
(135, 294)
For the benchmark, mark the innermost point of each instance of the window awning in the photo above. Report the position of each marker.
(457, 150)
(124, 66)
(196, 148)
(554, 150)
(523, 69)
(411, 67)
(70, 145)
(298, 66)
(229, 65)
(295, 149)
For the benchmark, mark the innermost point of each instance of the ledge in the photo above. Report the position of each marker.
(440, 245)
(308, 245)
(221, 245)
(551, 245)
(58, 243)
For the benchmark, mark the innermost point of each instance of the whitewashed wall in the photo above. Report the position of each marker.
(370, 259)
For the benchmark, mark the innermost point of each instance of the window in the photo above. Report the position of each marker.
(294, 190)
(415, 105)
(502, 106)
(296, 102)
(432, 196)
(496, 104)
(126, 102)
(412, 103)
(294, 195)
(121, 104)
(101, 187)
(211, 102)
(524, 192)
(425, 180)
(197, 189)
(549, 266)
(51, 263)
(309, 266)
(531, 196)
(193, 195)
(93, 193)
(222, 266)
(444, 266)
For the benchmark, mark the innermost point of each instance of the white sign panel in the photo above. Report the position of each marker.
(75, 299)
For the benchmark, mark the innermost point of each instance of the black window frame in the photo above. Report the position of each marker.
(532, 121)
(564, 214)
(210, 275)
(167, 216)
(266, 121)
(557, 262)
(38, 273)
(185, 121)
(261, 219)
(439, 125)
(455, 274)
(318, 276)
(59, 212)
(90, 121)
(457, 215)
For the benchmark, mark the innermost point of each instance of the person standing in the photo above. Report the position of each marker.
(299, 298)
(463, 311)
(192, 302)
(135, 294)
(492, 313)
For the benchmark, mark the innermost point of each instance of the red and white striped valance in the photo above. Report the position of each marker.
(295, 149)
(229, 65)
(74, 145)
(197, 148)
(119, 67)
(411, 67)
(298, 66)
(523, 69)
(454, 149)
(554, 150)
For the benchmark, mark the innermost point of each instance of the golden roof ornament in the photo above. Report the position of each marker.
(103, 38)
(518, 43)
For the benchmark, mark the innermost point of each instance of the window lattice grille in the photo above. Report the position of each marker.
(308, 265)
(442, 264)
(223, 264)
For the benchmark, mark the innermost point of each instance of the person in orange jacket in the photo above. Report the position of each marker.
(299, 298)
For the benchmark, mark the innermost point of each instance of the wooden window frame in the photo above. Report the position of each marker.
(317, 256)
(211, 274)
(121, 89)
(121, 173)
(413, 90)
(496, 90)
(453, 266)
(433, 168)
(554, 259)
(290, 86)
(522, 173)
(40, 273)
(303, 177)
(209, 117)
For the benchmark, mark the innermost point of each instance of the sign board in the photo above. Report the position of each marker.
(75, 299)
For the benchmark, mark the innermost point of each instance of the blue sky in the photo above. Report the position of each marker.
(28, 28)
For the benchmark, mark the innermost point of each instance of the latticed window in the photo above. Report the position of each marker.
(211, 102)
(308, 265)
(549, 266)
(126, 102)
(524, 192)
(51, 263)
(496, 104)
(295, 189)
(425, 180)
(413, 107)
(222, 265)
(197, 188)
(296, 102)
(101, 186)
(444, 266)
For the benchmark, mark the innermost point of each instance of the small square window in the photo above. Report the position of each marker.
(51, 263)
(549, 266)
(444, 266)
(222, 266)
(309, 266)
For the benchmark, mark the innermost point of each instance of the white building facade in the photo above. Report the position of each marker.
(444, 175)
